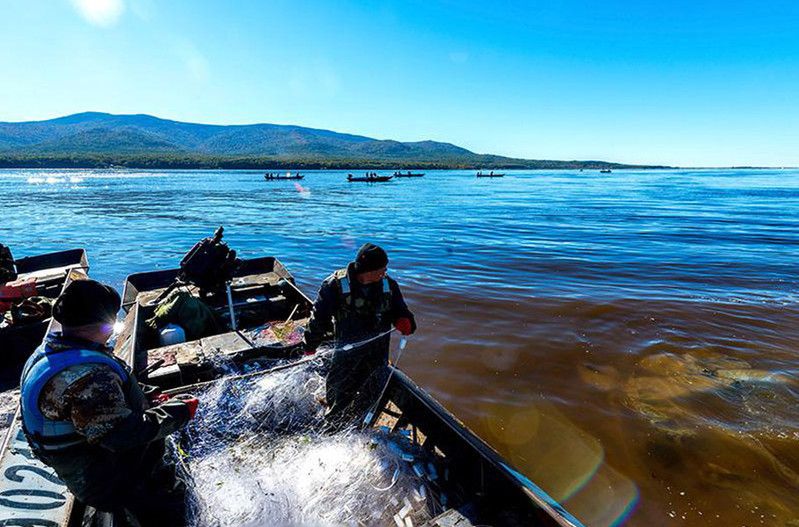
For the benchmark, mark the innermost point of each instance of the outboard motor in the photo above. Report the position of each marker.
(210, 264)
(8, 272)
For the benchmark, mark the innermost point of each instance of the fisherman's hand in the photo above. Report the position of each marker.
(307, 349)
(404, 325)
(191, 402)
(159, 398)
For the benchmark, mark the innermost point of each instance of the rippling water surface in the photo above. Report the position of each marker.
(628, 340)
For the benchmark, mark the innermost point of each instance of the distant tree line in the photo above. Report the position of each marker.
(190, 161)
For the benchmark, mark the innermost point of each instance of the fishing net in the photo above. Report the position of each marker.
(260, 453)
(9, 400)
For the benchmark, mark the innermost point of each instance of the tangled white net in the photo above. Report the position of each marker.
(259, 456)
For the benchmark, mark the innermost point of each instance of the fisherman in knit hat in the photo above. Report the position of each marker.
(85, 415)
(356, 304)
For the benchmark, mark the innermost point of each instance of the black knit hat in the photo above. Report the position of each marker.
(86, 302)
(370, 257)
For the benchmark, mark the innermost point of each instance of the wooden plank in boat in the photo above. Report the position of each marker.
(270, 278)
(225, 344)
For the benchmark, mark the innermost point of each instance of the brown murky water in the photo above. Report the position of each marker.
(628, 340)
(663, 413)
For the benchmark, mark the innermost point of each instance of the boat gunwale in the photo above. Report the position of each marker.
(72, 508)
(137, 283)
(537, 496)
(52, 260)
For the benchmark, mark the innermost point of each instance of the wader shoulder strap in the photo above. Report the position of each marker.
(343, 281)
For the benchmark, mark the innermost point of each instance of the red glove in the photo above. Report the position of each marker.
(191, 402)
(404, 325)
(160, 398)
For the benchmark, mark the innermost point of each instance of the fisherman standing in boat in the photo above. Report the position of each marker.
(357, 304)
(85, 415)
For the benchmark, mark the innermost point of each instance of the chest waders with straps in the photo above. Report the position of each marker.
(360, 314)
(363, 308)
(45, 434)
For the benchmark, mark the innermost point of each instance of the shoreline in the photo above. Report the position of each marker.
(145, 162)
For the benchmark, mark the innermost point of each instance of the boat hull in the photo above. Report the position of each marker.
(474, 476)
(379, 179)
(55, 505)
(51, 271)
(498, 494)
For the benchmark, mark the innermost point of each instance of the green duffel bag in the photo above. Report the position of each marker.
(189, 312)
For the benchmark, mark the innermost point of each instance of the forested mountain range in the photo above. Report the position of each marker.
(94, 139)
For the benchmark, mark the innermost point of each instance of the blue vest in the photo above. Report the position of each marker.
(47, 361)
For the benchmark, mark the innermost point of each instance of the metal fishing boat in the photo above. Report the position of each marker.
(481, 487)
(369, 179)
(30, 492)
(263, 317)
(295, 177)
(408, 174)
(17, 341)
(472, 485)
(491, 174)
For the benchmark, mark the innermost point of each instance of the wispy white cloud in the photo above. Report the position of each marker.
(101, 13)
(458, 57)
(144, 9)
(194, 60)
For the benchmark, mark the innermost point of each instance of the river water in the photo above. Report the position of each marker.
(628, 340)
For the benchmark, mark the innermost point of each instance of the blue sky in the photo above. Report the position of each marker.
(675, 82)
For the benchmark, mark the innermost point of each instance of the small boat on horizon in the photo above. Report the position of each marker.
(409, 174)
(370, 177)
(490, 174)
(277, 177)
(605, 171)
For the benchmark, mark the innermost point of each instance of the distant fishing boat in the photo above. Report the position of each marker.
(605, 171)
(490, 174)
(277, 177)
(369, 178)
(408, 174)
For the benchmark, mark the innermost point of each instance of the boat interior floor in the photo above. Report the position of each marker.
(270, 317)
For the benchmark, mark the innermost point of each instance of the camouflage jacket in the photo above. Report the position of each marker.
(93, 397)
(125, 434)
